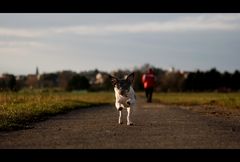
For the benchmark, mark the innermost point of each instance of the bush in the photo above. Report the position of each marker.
(78, 82)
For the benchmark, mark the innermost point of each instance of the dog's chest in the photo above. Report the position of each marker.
(122, 101)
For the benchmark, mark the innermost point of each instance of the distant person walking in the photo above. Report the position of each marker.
(148, 80)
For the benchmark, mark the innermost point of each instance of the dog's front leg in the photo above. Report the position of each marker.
(120, 117)
(128, 116)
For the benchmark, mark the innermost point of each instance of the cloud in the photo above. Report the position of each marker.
(202, 22)
(21, 44)
(223, 22)
(14, 49)
(19, 47)
(27, 33)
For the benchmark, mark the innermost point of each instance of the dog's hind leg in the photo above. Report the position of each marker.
(128, 116)
(120, 117)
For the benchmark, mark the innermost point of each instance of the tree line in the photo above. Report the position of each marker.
(95, 80)
(212, 80)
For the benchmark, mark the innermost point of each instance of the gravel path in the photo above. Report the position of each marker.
(155, 126)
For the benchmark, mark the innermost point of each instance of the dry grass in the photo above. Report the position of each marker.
(17, 110)
(226, 100)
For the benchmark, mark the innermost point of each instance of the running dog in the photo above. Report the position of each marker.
(125, 96)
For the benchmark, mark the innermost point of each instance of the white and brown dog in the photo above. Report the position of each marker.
(125, 96)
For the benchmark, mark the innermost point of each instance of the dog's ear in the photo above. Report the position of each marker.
(114, 80)
(130, 77)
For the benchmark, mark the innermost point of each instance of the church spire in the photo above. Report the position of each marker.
(37, 72)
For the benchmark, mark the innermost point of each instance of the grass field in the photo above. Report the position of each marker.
(17, 110)
(226, 100)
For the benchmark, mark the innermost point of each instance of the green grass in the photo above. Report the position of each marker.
(226, 100)
(17, 110)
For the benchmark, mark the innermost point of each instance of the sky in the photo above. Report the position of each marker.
(86, 41)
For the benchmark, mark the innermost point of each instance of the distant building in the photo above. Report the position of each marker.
(101, 78)
(37, 73)
(171, 70)
(32, 80)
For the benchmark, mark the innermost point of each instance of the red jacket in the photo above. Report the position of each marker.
(148, 80)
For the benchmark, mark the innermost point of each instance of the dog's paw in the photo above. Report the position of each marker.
(120, 122)
(130, 123)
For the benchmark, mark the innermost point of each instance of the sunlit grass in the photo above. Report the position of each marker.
(19, 109)
(226, 100)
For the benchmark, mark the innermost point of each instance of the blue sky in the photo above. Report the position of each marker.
(108, 42)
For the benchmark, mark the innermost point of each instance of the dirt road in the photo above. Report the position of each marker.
(155, 126)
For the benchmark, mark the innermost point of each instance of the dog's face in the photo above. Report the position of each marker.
(122, 85)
